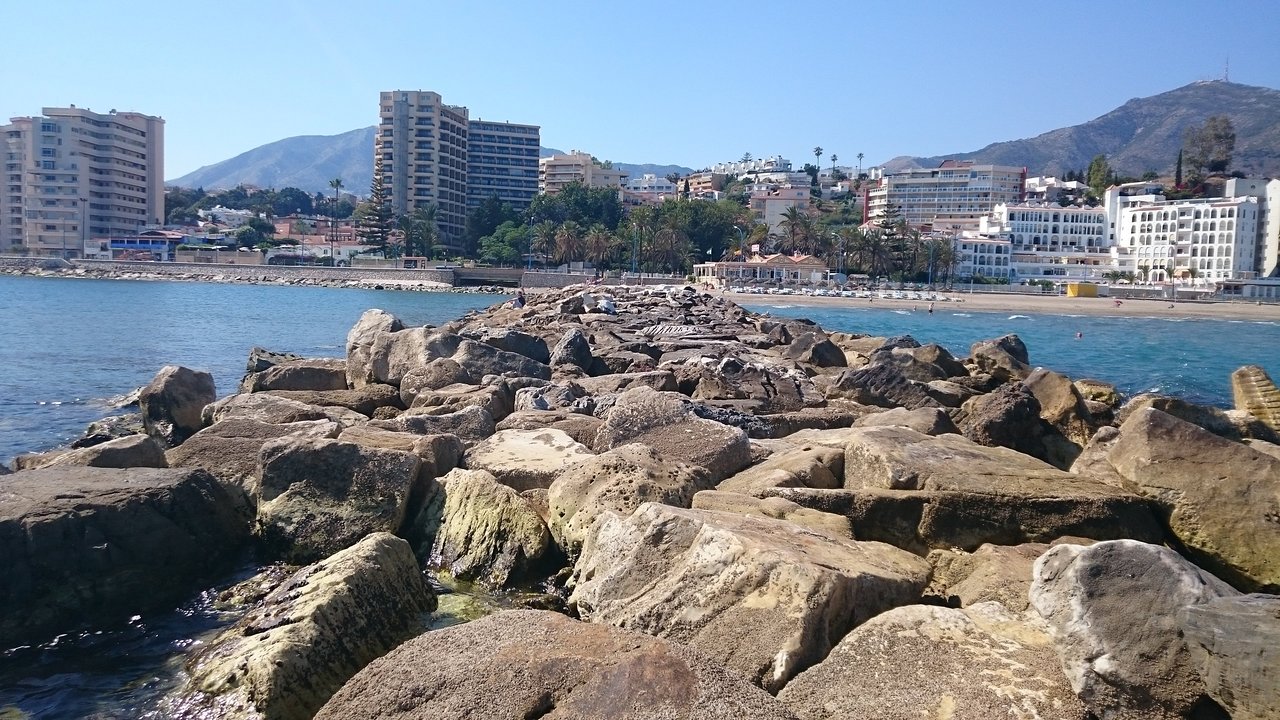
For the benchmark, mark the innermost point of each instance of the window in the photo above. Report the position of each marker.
(47, 165)
(47, 152)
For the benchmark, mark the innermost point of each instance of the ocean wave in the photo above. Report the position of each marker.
(961, 315)
(1019, 317)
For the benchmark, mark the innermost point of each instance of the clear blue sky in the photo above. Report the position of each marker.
(692, 82)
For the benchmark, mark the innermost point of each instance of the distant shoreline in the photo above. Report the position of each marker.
(1039, 304)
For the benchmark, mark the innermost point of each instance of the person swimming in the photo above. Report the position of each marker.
(1079, 336)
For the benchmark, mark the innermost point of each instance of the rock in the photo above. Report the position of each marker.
(765, 597)
(582, 428)
(1234, 643)
(229, 449)
(1120, 668)
(927, 420)
(112, 427)
(482, 359)
(920, 661)
(1228, 424)
(1098, 391)
(394, 353)
(309, 374)
(262, 407)
(1009, 417)
(775, 508)
(439, 453)
(619, 480)
(815, 466)
(524, 664)
(126, 452)
(665, 422)
(547, 397)
(1061, 405)
(992, 573)
(530, 346)
(1004, 358)
(947, 393)
(439, 373)
(768, 388)
(172, 402)
(815, 349)
(920, 521)
(288, 655)
(573, 349)
(488, 532)
(1255, 393)
(94, 546)
(260, 359)
(1222, 498)
(317, 497)
(526, 459)
(882, 385)
(661, 380)
(365, 400)
(360, 342)
(471, 424)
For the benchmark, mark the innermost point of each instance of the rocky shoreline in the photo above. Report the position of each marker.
(709, 513)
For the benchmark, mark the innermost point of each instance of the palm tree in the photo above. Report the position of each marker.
(792, 226)
(671, 244)
(336, 184)
(568, 242)
(419, 227)
(544, 238)
(599, 244)
(834, 158)
(817, 154)
(859, 166)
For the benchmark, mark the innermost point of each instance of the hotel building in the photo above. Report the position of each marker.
(1200, 242)
(1053, 242)
(73, 178)
(557, 171)
(953, 195)
(502, 161)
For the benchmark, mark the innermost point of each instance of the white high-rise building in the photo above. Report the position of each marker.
(1267, 191)
(74, 178)
(1053, 242)
(423, 146)
(1195, 242)
(954, 194)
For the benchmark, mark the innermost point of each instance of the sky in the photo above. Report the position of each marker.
(690, 83)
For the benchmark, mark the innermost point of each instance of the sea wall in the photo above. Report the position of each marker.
(266, 272)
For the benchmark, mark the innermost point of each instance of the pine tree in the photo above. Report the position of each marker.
(377, 222)
(1177, 173)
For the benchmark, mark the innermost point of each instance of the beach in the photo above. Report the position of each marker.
(1038, 304)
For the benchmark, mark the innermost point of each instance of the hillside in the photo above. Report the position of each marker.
(309, 162)
(1144, 134)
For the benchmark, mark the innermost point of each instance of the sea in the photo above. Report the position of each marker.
(69, 348)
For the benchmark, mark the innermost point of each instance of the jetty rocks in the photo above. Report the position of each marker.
(677, 508)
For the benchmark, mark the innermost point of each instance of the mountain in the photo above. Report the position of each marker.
(1143, 134)
(309, 162)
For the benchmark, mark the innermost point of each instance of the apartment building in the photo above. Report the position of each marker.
(1053, 242)
(1199, 242)
(769, 205)
(502, 161)
(956, 193)
(74, 178)
(422, 143)
(557, 171)
(1267, 191)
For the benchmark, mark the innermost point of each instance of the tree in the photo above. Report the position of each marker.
(248, 236)
(544, 238)
(746, 157)
(419, 230)
(817, 154)
(265, 227)
(291, 200)
(485, 218)
(599, 245)
(336, 184)
(860, 156)
(1177, 173)
(378, 220)
(505, 245)
(1099, 174)
(569, 246)
(1209, 147)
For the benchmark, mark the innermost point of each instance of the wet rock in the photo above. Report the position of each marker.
(317, 497)
(525, 664)
(172, 402)
(109, 428)
(93, 546)
(488, 532)
(289, 654)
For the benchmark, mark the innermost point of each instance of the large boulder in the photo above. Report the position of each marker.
(815, 466)
(1230, 424)
(1004, 358)
(1123, 662)
(393, 354)
(172, 402)
(1062, 405)
(524, 664)
(776, 508)
(573, 349)
(1234, 644)
(364, 400)
(1255, 393)
(482, 359)
(262, 407)
(306, 374)
(1010, 417)
(815, 349)
(764, 388)
(667, 423)
(90, 546)
(921, 661)
(619, 480)
(526, 459)
(472, 424)
(229, 449)
(765, 597)
(290, 653)
(494, 396)
(582, 428)
(530, 346)
(879, 384)
(1221, 498)
(317, 497)
(927, 420)
(992, 573)
(125, 452)
(488, 533)
(360, 341)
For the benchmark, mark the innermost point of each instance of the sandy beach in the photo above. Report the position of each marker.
(1041, 304)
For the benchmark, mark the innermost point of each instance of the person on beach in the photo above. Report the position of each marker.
(930, 308)
(518, 302)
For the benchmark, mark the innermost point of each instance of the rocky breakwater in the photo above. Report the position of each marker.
(735, 516)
